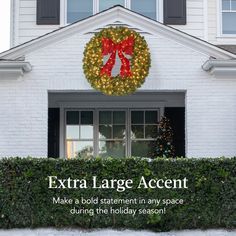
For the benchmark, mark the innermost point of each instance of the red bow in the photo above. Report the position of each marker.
(124, 47)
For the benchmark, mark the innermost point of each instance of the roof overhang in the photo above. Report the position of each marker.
(14, 69)
(221, 68)
(118, 13)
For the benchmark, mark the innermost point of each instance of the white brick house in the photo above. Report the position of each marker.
(47, 107)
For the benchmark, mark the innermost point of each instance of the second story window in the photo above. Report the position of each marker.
(105, 4)
(229, 17)
(80, 9)
(146, 8)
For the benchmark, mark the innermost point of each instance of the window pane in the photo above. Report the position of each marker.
(86, 132)
(137, 131)
(118, 117)
(146, 8)
(105, 132)
(233, 5)
(151, 131)
(151, 117)
(104, 4)
(142, 148)
(137, 117)
(86, 117)
(105, 117)
(229, 26)
(79, 149)
(72, 117)
(72, 131)
(111, 149)
(226, 5)
(119, 131)
(78, 9)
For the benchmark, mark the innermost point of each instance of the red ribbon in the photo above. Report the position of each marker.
(124, 47)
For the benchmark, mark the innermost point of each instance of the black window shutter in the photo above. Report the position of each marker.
(53, 132)
(175, 12)
(177, 120)
(48, 12)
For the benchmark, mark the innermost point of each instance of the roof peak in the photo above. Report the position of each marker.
(121, 13)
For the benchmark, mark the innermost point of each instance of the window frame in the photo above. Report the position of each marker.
(128, 123)
(113, 139)
(220, 21)
(80, 139)
(159, 9)
(144, 139)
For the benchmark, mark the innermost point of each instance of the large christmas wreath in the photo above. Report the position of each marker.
(116, 44)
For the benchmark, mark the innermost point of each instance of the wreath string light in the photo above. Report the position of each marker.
(111, 42)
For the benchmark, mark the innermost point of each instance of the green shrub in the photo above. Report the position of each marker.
(209, 201)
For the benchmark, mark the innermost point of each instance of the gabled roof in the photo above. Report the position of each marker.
(119, 13)
(229, 48)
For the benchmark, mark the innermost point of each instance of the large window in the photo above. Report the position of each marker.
(229, 17)
(80, 9)
(115, 133)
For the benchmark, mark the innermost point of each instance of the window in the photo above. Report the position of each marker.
(228, 16)
(112, 133)
(105, 4)
(143, 132)
(79, 134)
(80, 9)
(115, 133)
(146, 8)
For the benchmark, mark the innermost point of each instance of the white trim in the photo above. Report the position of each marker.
(63, 8)
(12, 12)
(219, 17)
(128, 4)
(205, 12)
(160, 6)
(119, 13)
(95, 6)
(16, 22)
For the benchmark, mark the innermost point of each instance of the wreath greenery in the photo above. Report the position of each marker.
(133, 72)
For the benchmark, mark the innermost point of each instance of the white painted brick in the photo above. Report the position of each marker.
(210, 102)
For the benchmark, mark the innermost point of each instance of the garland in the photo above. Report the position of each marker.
(117, 44)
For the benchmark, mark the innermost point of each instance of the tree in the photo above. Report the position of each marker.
(164, 144)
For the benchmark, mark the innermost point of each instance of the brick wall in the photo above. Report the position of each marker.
(210, 102)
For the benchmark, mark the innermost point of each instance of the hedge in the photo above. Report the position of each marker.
(209, 201)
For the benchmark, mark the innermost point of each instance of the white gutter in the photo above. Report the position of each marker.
(222, 68)
(25, 66)
(208, 65)
(14, 69)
